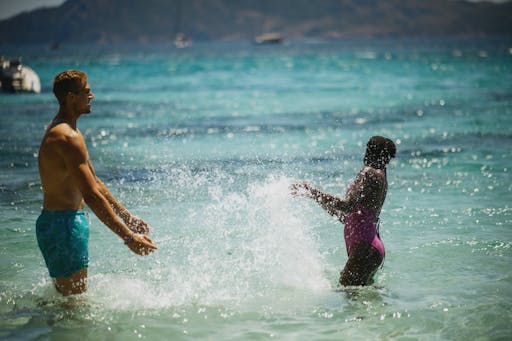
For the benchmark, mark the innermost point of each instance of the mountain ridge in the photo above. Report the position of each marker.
(113, 21)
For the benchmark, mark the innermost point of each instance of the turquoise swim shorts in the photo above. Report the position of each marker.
(63, 238)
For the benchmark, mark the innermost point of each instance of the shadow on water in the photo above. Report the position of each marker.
(33, 317)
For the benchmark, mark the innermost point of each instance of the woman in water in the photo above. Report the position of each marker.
(359, 210)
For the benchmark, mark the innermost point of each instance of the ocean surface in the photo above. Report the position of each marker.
(204, 142)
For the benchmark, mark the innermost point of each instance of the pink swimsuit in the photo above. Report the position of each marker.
(361, 226)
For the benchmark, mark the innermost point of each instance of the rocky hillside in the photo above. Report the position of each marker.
(107, 21)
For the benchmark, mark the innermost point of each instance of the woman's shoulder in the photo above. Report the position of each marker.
(372, 174)
(372, 171)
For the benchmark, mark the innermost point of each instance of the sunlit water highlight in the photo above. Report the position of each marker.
(204, 143)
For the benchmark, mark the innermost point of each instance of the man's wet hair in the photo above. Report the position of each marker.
(68, 81)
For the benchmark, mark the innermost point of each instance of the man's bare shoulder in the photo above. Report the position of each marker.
(62, 141)
(62, 134)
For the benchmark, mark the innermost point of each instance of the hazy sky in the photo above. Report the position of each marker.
(8, 8)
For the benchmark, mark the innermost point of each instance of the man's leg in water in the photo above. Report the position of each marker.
(72, 285)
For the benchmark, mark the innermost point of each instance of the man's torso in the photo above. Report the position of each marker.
(59, 188)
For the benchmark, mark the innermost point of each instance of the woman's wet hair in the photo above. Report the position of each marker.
(379, 151)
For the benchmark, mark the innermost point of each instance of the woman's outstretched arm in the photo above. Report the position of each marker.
(335, 206)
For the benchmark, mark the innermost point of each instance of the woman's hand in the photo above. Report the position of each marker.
(301, 189)
(333, 205)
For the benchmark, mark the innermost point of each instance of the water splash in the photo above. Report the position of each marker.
(240, 248)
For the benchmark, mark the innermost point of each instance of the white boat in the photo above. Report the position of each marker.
(16, 77)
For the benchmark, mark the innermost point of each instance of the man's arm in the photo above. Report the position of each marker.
(134, 223)
(74, 152)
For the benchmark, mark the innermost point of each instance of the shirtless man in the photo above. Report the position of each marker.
(68, 181)
(359, 210)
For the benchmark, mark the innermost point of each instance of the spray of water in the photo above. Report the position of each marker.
(255, 246)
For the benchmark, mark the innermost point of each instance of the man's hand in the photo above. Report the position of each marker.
(141, 244)
(137, 225)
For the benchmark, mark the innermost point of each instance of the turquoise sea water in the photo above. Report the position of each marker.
(203, 143)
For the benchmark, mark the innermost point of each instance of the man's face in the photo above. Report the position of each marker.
(83, 99)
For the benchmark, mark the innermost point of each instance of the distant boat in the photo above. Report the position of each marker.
(16, 77)
(182, 40)
(269, 38)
